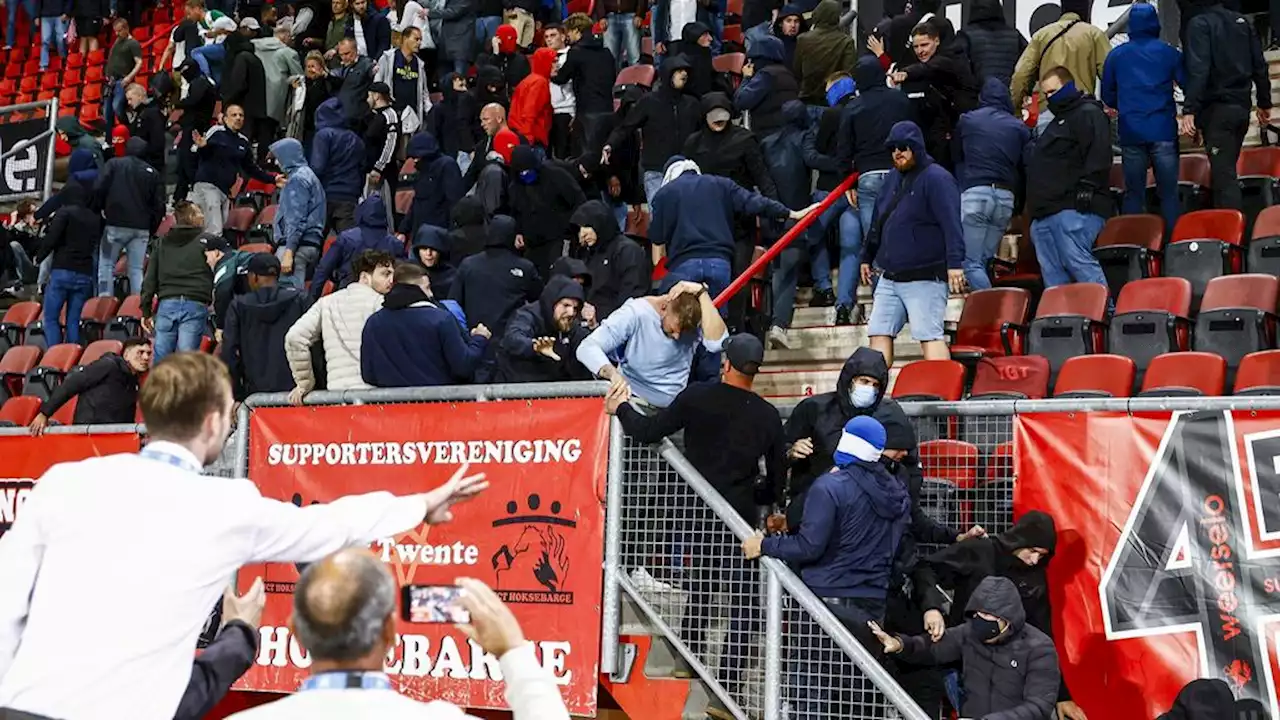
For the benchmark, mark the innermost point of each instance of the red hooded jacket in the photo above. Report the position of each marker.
(531, 102)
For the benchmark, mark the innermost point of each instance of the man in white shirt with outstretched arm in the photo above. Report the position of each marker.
(98, 539)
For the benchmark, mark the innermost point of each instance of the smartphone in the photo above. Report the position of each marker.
(432, 604)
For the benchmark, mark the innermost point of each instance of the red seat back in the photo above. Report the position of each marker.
(20, 410)
(1111, 375)
(267, 216)
(1259, 370)
(1200, 371)
(131, 307)
(636, 75)
(1021, 376)
(1168, 294)
(256, 248)
(1194, 169)
(729, 63)
(1253, 290)
(1083, 299)
(986, 312)
(240, 218)
(98, 348)
(61, 357)
(1224, 225)
(1267, 224)
(67, 413)
(22, 314)
(1263, 161)
(19, 360)
(100, 310)
(930, 380)
(1145, 231)
(952, 460)
(166, 225)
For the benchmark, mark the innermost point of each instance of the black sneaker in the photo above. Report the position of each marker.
(823, 298)
(844, 315)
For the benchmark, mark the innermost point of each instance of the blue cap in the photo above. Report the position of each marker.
(863, 438)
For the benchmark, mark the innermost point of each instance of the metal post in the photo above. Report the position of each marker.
(240, 462)
(611, 612)
(773, 648)
(53, 139)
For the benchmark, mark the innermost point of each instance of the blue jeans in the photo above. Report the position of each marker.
(68, 288)
(619, 214)
(869, 185)
(209, 58)
(133, 243)
(1163, 158)
(180, 326)
(486, 27)
(984, 215)
(923, 303)
(1064, 247)
(305, 258)
(850, 231)
(113, 101)
(52, 31)
(717, 274)
(623, 39)
(652, 184)
(13, 5)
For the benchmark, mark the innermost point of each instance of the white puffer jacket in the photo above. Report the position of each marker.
(338, 321)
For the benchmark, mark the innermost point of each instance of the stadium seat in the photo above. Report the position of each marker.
(641, 75)
(1237, 317)
(92, 92)
(96, 57)
(1023, 273)
(19, 411)
(52, 369)
(94, 317)
(69, 97)
(239, 221)
(166, 225)
(1070, 321)
(128, 322)
(257, 248)
(14, 366)
(1151, 319)
(1263, 254)
(1259, 374)
(1186, 374)
(1205, 244)
(27, 84)
(1258, 172)
(99, 348)
(730, 65)
(404, 201)
(993, 497)
(1193, 181)
(255, 194)
(949, 466)
(992, 324)
(939, 380)
(1129, 248)
(13, 328)
(1016, 377)
(263, 229)
(66, 414)
(637, 223)
(1095, 376)
(36, 333)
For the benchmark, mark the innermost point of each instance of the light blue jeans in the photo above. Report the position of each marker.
(180, 326)
(869, 185)
(52, 31)
(133, 243)
(209, 58)
(984, 215)
(652, 184)
(623, 39)
(1064, 247)
(921, 302)
(305, 258)
(13, 5)
(850, 230)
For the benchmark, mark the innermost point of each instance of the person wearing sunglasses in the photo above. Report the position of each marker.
(916, 244)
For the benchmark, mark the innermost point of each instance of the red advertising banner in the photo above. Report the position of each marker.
(1168, 559)
(23, 459)
(536, 535)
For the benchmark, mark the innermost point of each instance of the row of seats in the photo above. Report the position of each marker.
(20, 411)
(25, 370)
(101, 318)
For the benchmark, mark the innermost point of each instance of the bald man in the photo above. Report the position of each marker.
(344, 614)
(493, 120)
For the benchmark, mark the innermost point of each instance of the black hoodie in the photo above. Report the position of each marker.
(542, 208)
(868, 118)
(201, 99)
(1203, 699)
(253, 339)
(467, 235)
(441, 274)
(591, 68)
(73, 234)
(703, 77)
(148, 123)
(129, 191)
(620, 268)
(664, 117)
(490, 286)
(993, 48)
(451, 119)
(517, 361)
(733, 153)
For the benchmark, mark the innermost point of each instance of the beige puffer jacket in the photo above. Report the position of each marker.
(338, 321)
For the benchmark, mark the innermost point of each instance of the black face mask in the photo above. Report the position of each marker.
(891, 465)
(982, 629)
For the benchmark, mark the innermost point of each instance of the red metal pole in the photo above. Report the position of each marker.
(803, 224)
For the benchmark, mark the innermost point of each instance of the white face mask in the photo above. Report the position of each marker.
(862, 396)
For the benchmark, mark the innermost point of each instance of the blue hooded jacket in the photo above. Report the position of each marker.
(337, 153)
(441, 274)
(990, 142)
(300, 216)
(784, 151)
(922, 239)
(437, 188)
(768, 50)
(82, 169)
(370, 233)
(1138, 78)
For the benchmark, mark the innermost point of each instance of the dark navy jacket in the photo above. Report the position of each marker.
(414, 342)
(370, 233)
(990, 142)
(1138, 78)
(437, 188)
(441, 274)
(854, 518)
(492, 284)
(922, 239)
(868, 118)
(225, 155)
(693, 216)
(337, 154)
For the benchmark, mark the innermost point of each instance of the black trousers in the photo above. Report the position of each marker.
(561, 136)
(186, 174)
(339, 215)
(708, 575)
(1224, 128)
(544, 256)
(265, 130)
(922, 682)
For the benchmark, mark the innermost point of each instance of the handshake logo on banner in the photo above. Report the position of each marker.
(535, 568)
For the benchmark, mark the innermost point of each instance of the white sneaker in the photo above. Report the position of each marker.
(645, 582)
(778, 337)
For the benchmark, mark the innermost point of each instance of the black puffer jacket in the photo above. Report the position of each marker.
(107, 388)
(619, 267)
(733, 152)
(490, 286)
(664, 117)
(992, 46)
(1013, 678)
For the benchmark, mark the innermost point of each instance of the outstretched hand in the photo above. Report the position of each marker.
(891, 644)
(460, 488)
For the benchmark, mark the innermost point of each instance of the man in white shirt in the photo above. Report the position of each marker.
(98, 536)
(344, 610)
(562, 98)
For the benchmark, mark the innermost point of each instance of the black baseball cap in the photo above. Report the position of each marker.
(263, 264)
(745, 353)
(381, 88)
(213, 242)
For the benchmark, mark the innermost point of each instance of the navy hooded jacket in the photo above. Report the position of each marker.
(868, 118)
(437, 188)
(415, 342)
(441, 274)
(693, 216)
(854, 518)
(1138, 78)
(922, 238)
(491, 285)
(337, 154)
(990, 142)
(370, 233)
(784, 151)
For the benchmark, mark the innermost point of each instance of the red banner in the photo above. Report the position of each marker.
(536, 535)
(1168, 559)
(23, 459)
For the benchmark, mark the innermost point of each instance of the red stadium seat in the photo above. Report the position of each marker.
(637, 223)
(1264, 249)
(239, 220)
(1205, 244)
(128, 322)
(53, 368)
(13, 328)
(646, 48)
(14, 366)
(51, 81)
(1023, 273)
(1259, 374)
(993, 503)
(19, 411)
(992, 324)
(66, 414)
(263, 229)
(409, 171)
(1129, 248)
(1193, 181)
(733, 36)
(1187, 374)
(94, 317)
(1258, 172)
(1070, 321)
(1151, 319)
(166, 225)
(28, 84)
(950, 467)
(97, 57)
(641, 75)
(1016, 377)
(1095, 376)
(99, 348)
(254, 248)
(1237, 317)
(733, 8)
(75, 61)
(404, 200)
(69, 98)
(36, 334)
(730, 64)
(930, 380)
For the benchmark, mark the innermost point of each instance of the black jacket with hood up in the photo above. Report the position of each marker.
(1203, 699)
(129, 191)
(148, 123)
(733, 153)
(1015, 677)
(517, 362)
(868, 118)
(992, 46)
(73, 233)
(821, 418)
(591, 68)
(664, 117)
(703, 77)
(437, 188)
(542, 208)
(619, 267)
(442, 273)
(490, 286)
(467, 234)
(253, 339)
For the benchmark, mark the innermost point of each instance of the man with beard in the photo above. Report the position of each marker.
(945, 85)
(541, 340)
(664, 118)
